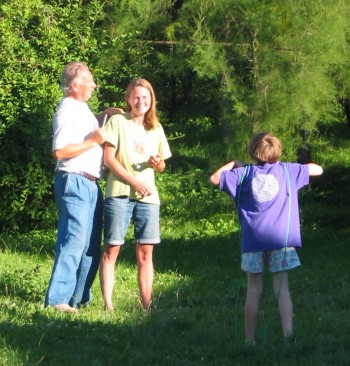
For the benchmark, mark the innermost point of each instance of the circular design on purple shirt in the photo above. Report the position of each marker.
(265, 187)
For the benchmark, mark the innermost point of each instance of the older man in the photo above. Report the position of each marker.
(77, 148)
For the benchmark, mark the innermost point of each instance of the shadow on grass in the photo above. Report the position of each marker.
(191, 323)
(159, 339)
(196, 322)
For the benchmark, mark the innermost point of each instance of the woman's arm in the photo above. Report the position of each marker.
(117, 168)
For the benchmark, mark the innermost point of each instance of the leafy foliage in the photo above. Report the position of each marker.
(274, 63)
(33, 50)
(221, 71)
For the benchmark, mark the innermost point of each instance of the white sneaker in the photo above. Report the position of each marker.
(66, 308)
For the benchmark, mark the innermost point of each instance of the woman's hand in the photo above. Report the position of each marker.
(141, 188)
(155, 162)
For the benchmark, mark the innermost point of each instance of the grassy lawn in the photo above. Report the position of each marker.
(199, 289)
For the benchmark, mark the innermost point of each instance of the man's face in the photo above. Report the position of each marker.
(83, 86)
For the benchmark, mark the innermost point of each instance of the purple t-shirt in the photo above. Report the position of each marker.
(263, 203)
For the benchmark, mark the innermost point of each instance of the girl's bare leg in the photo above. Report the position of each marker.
(285, 306)
(254, 291)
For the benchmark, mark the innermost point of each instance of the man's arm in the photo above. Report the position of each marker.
(72, 150)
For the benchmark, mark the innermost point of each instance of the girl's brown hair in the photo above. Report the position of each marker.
(265, 148)
(150, 118)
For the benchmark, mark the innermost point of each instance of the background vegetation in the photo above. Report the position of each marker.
(228, 68)
(222, 70)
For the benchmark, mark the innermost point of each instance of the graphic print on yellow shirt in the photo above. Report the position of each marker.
(134, 147)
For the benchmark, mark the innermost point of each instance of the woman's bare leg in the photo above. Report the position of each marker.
(107, 267)
(144, 254)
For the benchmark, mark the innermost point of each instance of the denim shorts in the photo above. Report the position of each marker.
(118, 212)
(278, 260)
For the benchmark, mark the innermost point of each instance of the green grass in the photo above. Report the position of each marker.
(197, 315)
(199, 289)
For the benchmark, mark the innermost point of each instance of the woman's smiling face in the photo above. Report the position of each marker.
(140, 101)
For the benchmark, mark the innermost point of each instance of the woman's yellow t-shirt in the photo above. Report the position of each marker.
(134, 147)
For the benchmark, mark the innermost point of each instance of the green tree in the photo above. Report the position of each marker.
(36, 40)
(218, 67)
(275, 65)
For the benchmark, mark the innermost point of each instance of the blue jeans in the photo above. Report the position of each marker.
(80, 208)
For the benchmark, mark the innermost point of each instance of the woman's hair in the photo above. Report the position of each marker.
(70, 73)
(265, 148)
(150, 118)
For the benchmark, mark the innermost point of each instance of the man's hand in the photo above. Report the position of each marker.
(98, 136)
